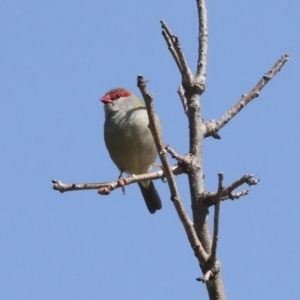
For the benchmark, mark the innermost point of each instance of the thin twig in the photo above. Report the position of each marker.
(67, 187)
(212, 269)
(200, 77)
(177, 53)
(234, 196)
(206, 276)
(210, 197)
(180, 92)
(248, 179)
(213, 253)
(175, 196)
(215, 126)
(168, 36)
(185, 160)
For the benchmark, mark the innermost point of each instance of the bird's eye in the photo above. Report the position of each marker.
(118, 96)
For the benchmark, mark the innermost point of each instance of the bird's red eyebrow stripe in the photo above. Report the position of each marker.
(122, 93)
(114, 94)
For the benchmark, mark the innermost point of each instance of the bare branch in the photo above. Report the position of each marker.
(180, 92)
(248, 178)
(253, 181)
(206, 276)
(216, 218)
(215, 126)
(109, 186)
(211, 198)
(213, 268)
(175, 196)
(168, 36)
(236, 195)
(200, 77)
(175, 49)
(184, 160)
(211, 130)
(213, 265)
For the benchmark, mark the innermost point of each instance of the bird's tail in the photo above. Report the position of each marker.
(150, 195)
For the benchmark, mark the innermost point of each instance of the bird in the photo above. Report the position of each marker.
(129, 141)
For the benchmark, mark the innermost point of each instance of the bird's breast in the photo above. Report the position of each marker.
(129, 140)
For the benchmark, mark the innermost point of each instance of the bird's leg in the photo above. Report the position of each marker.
(122, 182)
(157, 165)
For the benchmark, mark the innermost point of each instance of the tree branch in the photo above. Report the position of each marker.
(184, 161)
(177, 53)
(180, 92)
(107, 187)
(197, 129)
(236, 195)
(200, 77)
(213, 253)
(168, 36)
(175, 196)
(213, 127)
(212, 270)
(213, 266)
(211, 198)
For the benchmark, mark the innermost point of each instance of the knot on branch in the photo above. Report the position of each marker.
(63, 187)
(163, 152)
(197, 250)
(199, 85)
(253, 181)
(211, 129)
(56, 185)
(234, 196)
(174, 198)
(193, 165)
(211, 269)
(104, 190)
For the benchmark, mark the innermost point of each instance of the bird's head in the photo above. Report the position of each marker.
(115, 94)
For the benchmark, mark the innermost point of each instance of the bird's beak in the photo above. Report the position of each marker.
(106, 99)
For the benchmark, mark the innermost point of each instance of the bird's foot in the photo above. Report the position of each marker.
(122, 181)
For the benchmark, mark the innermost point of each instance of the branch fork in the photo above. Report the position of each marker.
(213, 265)
(210, 198)
(175, 48)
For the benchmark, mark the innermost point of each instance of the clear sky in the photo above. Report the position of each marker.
(57, 59)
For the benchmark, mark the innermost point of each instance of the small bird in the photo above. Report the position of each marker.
(129, 140)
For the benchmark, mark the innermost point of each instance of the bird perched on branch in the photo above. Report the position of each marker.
(129, 140)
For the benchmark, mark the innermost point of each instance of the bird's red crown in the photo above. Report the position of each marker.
(114, 94)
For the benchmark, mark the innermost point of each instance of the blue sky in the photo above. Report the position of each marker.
(57, 59)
